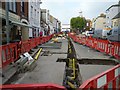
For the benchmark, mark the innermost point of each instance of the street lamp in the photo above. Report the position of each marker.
(7, 20)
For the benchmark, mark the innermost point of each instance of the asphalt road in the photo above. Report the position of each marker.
(50, 71)
(88, 71)
(47, 69)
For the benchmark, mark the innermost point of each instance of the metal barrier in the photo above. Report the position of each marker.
(105, 46)
(109, 79)
(11, 52)
(32, 87)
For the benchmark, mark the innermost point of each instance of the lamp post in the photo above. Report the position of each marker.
(7, 21)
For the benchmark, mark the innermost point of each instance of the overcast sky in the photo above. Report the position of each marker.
(65, 9)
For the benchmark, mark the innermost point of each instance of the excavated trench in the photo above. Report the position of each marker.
(72, 78)
(72, 75)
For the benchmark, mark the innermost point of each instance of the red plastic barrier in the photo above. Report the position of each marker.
(25, 46)
(106, 80)
(12, 51)
(32, 87)
(105, 46)
(8, 54)
(116, 50)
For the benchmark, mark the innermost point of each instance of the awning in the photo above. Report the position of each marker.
(20, 24)
(35, 27)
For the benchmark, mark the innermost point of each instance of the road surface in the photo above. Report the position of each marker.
(50, 71)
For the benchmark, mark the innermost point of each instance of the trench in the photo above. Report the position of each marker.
(72, 78)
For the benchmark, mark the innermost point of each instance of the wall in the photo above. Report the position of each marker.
(100, 23)
(34, 18)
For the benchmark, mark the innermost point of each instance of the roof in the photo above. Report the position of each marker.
(117, 16)
(113, 6)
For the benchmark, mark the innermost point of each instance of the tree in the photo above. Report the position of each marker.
(77, 23)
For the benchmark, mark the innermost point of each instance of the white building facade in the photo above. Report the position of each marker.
(100, 23)
(34, 17)
(111, 12)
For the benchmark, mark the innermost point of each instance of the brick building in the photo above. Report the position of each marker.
(18, 20)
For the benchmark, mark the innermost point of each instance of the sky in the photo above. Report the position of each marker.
(64, 10)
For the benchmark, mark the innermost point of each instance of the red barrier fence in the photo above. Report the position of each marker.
(109, 79)
(32, 87)
(11, 52)
(105, 46)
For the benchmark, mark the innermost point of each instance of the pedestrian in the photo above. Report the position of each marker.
(41, 33)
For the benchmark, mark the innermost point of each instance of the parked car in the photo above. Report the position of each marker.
(114, 34)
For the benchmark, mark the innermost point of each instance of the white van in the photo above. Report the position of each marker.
(114, 34)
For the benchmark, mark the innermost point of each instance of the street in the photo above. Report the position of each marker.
(50, 71)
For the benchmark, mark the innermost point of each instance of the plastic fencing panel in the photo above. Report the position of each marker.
(12, 51)
(108, 79)
(117, 50)
(0, 56)
(8, 54)
(105, 46)
(32, 87)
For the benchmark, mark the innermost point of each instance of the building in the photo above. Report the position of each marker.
(111, 12)
(116, 21)
(34, 17)
(59, 26)
(55, 25)
(45, 22)
(17, 19)
(88, 24)
(65, 27)
(49, 24)
(99, 22)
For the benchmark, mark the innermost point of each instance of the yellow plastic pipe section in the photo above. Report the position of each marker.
(73, 69)
(71, 85)
(36, 57)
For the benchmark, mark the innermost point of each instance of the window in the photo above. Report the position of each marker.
(22, 7)
(12, 5)
(31, 11)
(115, 24)
(35, 13)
